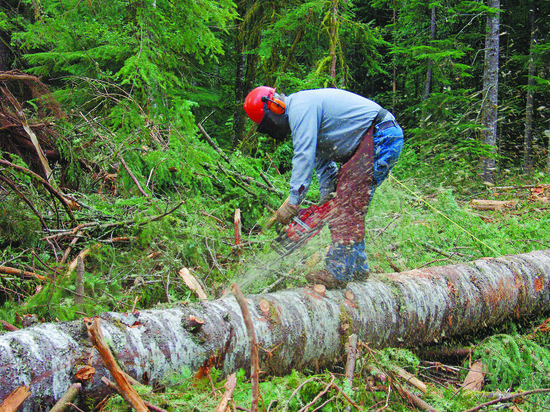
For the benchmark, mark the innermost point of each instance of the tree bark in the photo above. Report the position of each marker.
(529, 104)
(299, 329)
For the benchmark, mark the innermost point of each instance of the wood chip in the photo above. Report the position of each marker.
(15, 399)
(192, 283)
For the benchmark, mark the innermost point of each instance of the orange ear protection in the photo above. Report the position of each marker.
(275, 105)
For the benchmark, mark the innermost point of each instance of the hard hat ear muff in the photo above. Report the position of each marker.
(274, 105)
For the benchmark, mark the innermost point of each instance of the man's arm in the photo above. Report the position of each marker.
(305, 121)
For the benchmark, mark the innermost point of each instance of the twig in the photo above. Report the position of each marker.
(436, 250)
(127, 391)
(97, 225)
(132, 176)
(296, 391)
(44, 183)
(27, 201)
(70, 247)
(255, 362)
(507, 398)
(319, 395)
(229, 386)
(67, 399)
(79, 289)
(408, 395)
(352, 353)
(266, 180)
(248, 180)
(117, 388)
(22, 273)
(397, 216)
(346, 396)
(8, 326)
(213, 144)
(82, 255)
(238, 227)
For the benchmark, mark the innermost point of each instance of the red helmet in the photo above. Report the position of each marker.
(260, 98)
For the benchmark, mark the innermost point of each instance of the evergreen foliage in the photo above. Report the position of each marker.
(135, 79)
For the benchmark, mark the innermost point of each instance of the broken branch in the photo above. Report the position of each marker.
(127, 391)
(67, 399)
(255, 362)
(22, 273)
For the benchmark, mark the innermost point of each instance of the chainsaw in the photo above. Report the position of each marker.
(303, 227)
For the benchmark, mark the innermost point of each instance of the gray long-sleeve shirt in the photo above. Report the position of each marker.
(327, 126)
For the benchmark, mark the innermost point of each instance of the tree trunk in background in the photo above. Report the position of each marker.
(529, 106)
(333, 40)
(239, 117)
(247, 39)
(302, 328)
(429, 73)
(490, 90)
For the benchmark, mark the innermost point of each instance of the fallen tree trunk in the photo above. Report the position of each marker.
(301, 328)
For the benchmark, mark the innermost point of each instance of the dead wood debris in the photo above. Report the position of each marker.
(15, 399)
(35, 142)
(126, 390)
(255, 360)
(229, 386)
(476, 377)
(66, 400)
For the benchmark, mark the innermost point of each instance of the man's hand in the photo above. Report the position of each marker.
(286, 212)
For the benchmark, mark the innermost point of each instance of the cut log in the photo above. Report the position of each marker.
(476, 377)
(301, 329)
(482, 204)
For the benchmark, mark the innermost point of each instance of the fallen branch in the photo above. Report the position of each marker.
(44, 183)
(112, 385)
(411, 379)
(213, 144)
(475, 378)
(70, 247)
(249, 180)
(8, 326)
(13, 186)
(482, 204)
(23, 119)
(15, 399)
(507, 398)
(229, 386)
(254, 361)
(132, 176)
(67, 399)
(238, 228)
(519, 187)
(101, 226)
(352, 353)
(127, 391)
(21, 273)
(82, 255)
